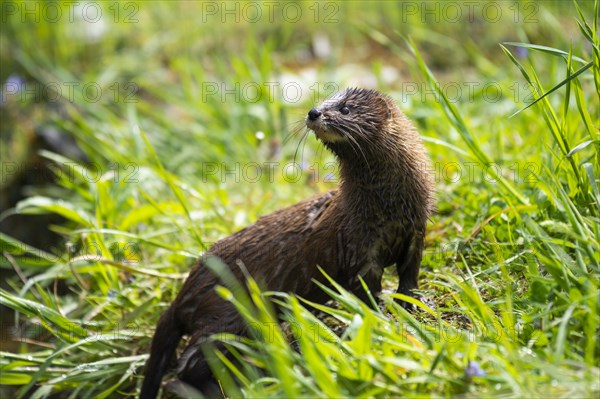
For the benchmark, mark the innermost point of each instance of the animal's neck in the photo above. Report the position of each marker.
(383, 188)
(386, 179)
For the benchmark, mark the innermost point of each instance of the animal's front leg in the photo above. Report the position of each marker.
(371, 274)
(408, 264)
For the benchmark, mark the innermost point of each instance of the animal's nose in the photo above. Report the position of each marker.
(313, 114)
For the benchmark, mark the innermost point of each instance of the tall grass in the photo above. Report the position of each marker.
(525, 324)
(512, 267)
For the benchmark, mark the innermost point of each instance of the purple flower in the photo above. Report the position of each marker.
(474, 370)
(521, 52)
(13, 85)
(14, 81)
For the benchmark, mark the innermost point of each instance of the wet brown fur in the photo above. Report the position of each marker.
(375, 218)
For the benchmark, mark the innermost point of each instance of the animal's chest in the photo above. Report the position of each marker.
(379, 244)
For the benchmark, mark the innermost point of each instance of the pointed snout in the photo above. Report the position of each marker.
(313, 114)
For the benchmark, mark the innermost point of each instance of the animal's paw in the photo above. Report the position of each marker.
(407, 305)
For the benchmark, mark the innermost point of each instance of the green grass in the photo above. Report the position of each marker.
(512, 265)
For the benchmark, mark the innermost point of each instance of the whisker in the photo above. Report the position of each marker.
(349, 132)
(299, 143)
(295, 128)
(305, 138)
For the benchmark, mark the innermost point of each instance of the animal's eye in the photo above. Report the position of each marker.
(345, 110)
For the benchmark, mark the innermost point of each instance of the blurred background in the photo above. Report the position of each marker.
(214, 81)
(176, 122)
